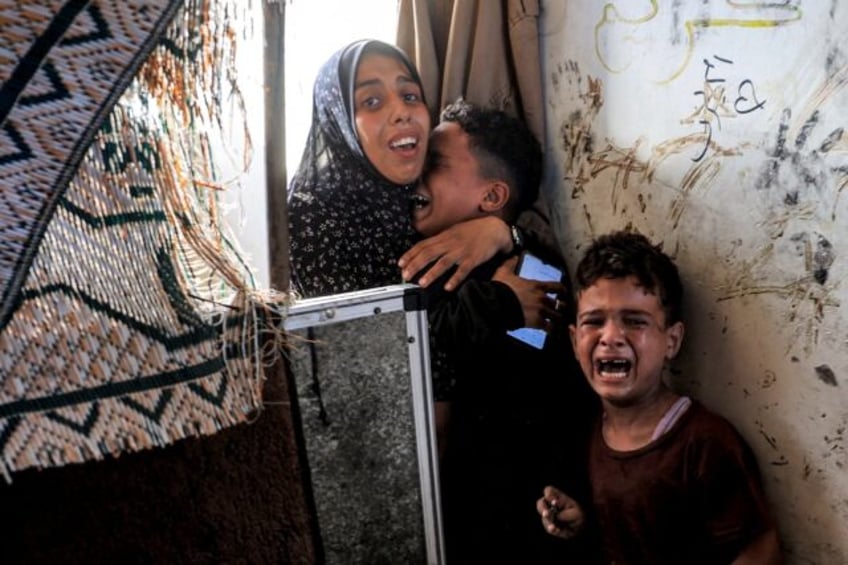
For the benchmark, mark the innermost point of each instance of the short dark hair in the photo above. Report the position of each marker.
(505, 148)
(623, 254)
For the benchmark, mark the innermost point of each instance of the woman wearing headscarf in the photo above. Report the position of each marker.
(349, 202)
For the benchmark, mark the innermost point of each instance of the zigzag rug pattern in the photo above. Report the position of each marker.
(103, 351)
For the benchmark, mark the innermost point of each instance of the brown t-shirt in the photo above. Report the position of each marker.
(692, 496)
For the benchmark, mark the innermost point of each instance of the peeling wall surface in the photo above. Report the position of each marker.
(718, 128)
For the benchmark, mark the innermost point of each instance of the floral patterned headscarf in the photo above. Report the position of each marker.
(348, 224)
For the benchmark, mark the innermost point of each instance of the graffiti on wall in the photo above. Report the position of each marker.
(801, 174)
(615, 28)
(715, 102)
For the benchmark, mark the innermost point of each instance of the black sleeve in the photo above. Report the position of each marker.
(473, 313)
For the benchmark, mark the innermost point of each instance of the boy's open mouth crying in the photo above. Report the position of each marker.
(617, 368)
(419, 201)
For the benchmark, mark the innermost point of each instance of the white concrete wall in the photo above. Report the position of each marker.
(717, 127)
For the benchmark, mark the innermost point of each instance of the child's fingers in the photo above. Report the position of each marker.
(542, 506)
(561, 515)
(548, 521)
(552, 493)
(547, 508)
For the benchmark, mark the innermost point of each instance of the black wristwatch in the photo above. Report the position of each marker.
(517, 239)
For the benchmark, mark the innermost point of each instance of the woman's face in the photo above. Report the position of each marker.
(391, 118)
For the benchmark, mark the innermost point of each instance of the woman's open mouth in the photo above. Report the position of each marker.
(406, 143)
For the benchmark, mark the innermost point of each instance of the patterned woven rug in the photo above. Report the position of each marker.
(126, 322)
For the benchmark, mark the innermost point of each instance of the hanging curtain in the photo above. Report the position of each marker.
(486, 51)
(128, 318)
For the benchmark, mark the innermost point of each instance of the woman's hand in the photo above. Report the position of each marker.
(540, 310)
(467, 245)
(561, 515)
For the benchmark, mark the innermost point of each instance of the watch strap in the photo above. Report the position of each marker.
(517, 238)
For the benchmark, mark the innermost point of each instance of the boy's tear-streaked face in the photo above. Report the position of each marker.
(622, 342)
(451, 190)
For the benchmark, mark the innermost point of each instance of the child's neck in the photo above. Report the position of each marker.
(626, 428)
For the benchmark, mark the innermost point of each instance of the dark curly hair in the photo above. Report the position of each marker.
(505, 148)
(622, 254)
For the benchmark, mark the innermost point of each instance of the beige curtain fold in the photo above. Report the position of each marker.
(486, 51)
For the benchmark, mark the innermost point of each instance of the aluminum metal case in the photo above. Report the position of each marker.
(361, 363)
